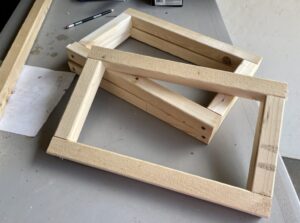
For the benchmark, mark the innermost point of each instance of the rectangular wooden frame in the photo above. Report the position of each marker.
(16, 57)
(255, 200)
(169, 106)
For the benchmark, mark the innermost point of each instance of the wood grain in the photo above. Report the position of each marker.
(177, 50)
(190, 75)
(268, 146)
(222, 103)
(193, 41)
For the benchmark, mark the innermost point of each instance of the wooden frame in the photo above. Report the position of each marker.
(180, 112)
(16, 57)
(255, 200)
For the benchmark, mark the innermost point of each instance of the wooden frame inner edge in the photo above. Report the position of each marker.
(16, 57)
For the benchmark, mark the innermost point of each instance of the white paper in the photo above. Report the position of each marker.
(37, 92)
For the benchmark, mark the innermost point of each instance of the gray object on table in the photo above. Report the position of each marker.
(36, 187)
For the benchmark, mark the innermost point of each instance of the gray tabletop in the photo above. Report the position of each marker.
(36, 187)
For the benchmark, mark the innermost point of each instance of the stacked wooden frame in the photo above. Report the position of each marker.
(16, 57)
(171, 107)
(256, 199)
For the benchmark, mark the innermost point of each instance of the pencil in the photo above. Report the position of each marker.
(89, 18)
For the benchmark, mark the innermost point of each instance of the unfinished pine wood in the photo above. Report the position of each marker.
(161, 176)
(81, 100)
(266, 161)
(190, 75)
(168, 106)
(117, 31)
(20, 49)
(77, 53)
(190, 40)
(222, 103)
(255, 145)
(177, 50)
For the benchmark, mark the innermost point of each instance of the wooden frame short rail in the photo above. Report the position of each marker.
(169, 106)
(16, 57)
(256, 199)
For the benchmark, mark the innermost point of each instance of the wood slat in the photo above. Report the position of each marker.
(116, 31)
(17, 55)
(161, 176)
(193, 41)
(268, 146)
(190, 75)
(177, 50)
(81, 100)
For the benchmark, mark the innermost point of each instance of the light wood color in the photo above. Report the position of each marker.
(180, 112)
(161, 176)
(111, 34)
(193, 41)
(177, 41)
(173, 108)
(268, 146)
(222, 103)
(256, 201)
(77, 53)
(190, 75)
(78, 107)
(20, 49)
(255, 145)
(177, 50)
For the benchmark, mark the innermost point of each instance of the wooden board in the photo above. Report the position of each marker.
(17, 55)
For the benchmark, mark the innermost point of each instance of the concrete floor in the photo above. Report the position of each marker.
(271, 28)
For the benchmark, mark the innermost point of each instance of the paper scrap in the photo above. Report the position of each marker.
(37, 92)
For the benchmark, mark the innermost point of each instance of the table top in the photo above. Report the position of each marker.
(37, 187)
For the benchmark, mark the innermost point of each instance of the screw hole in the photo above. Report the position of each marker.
(137, 78)
(227, 60)
(203, 137)
(203, 128)
(72, 56)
